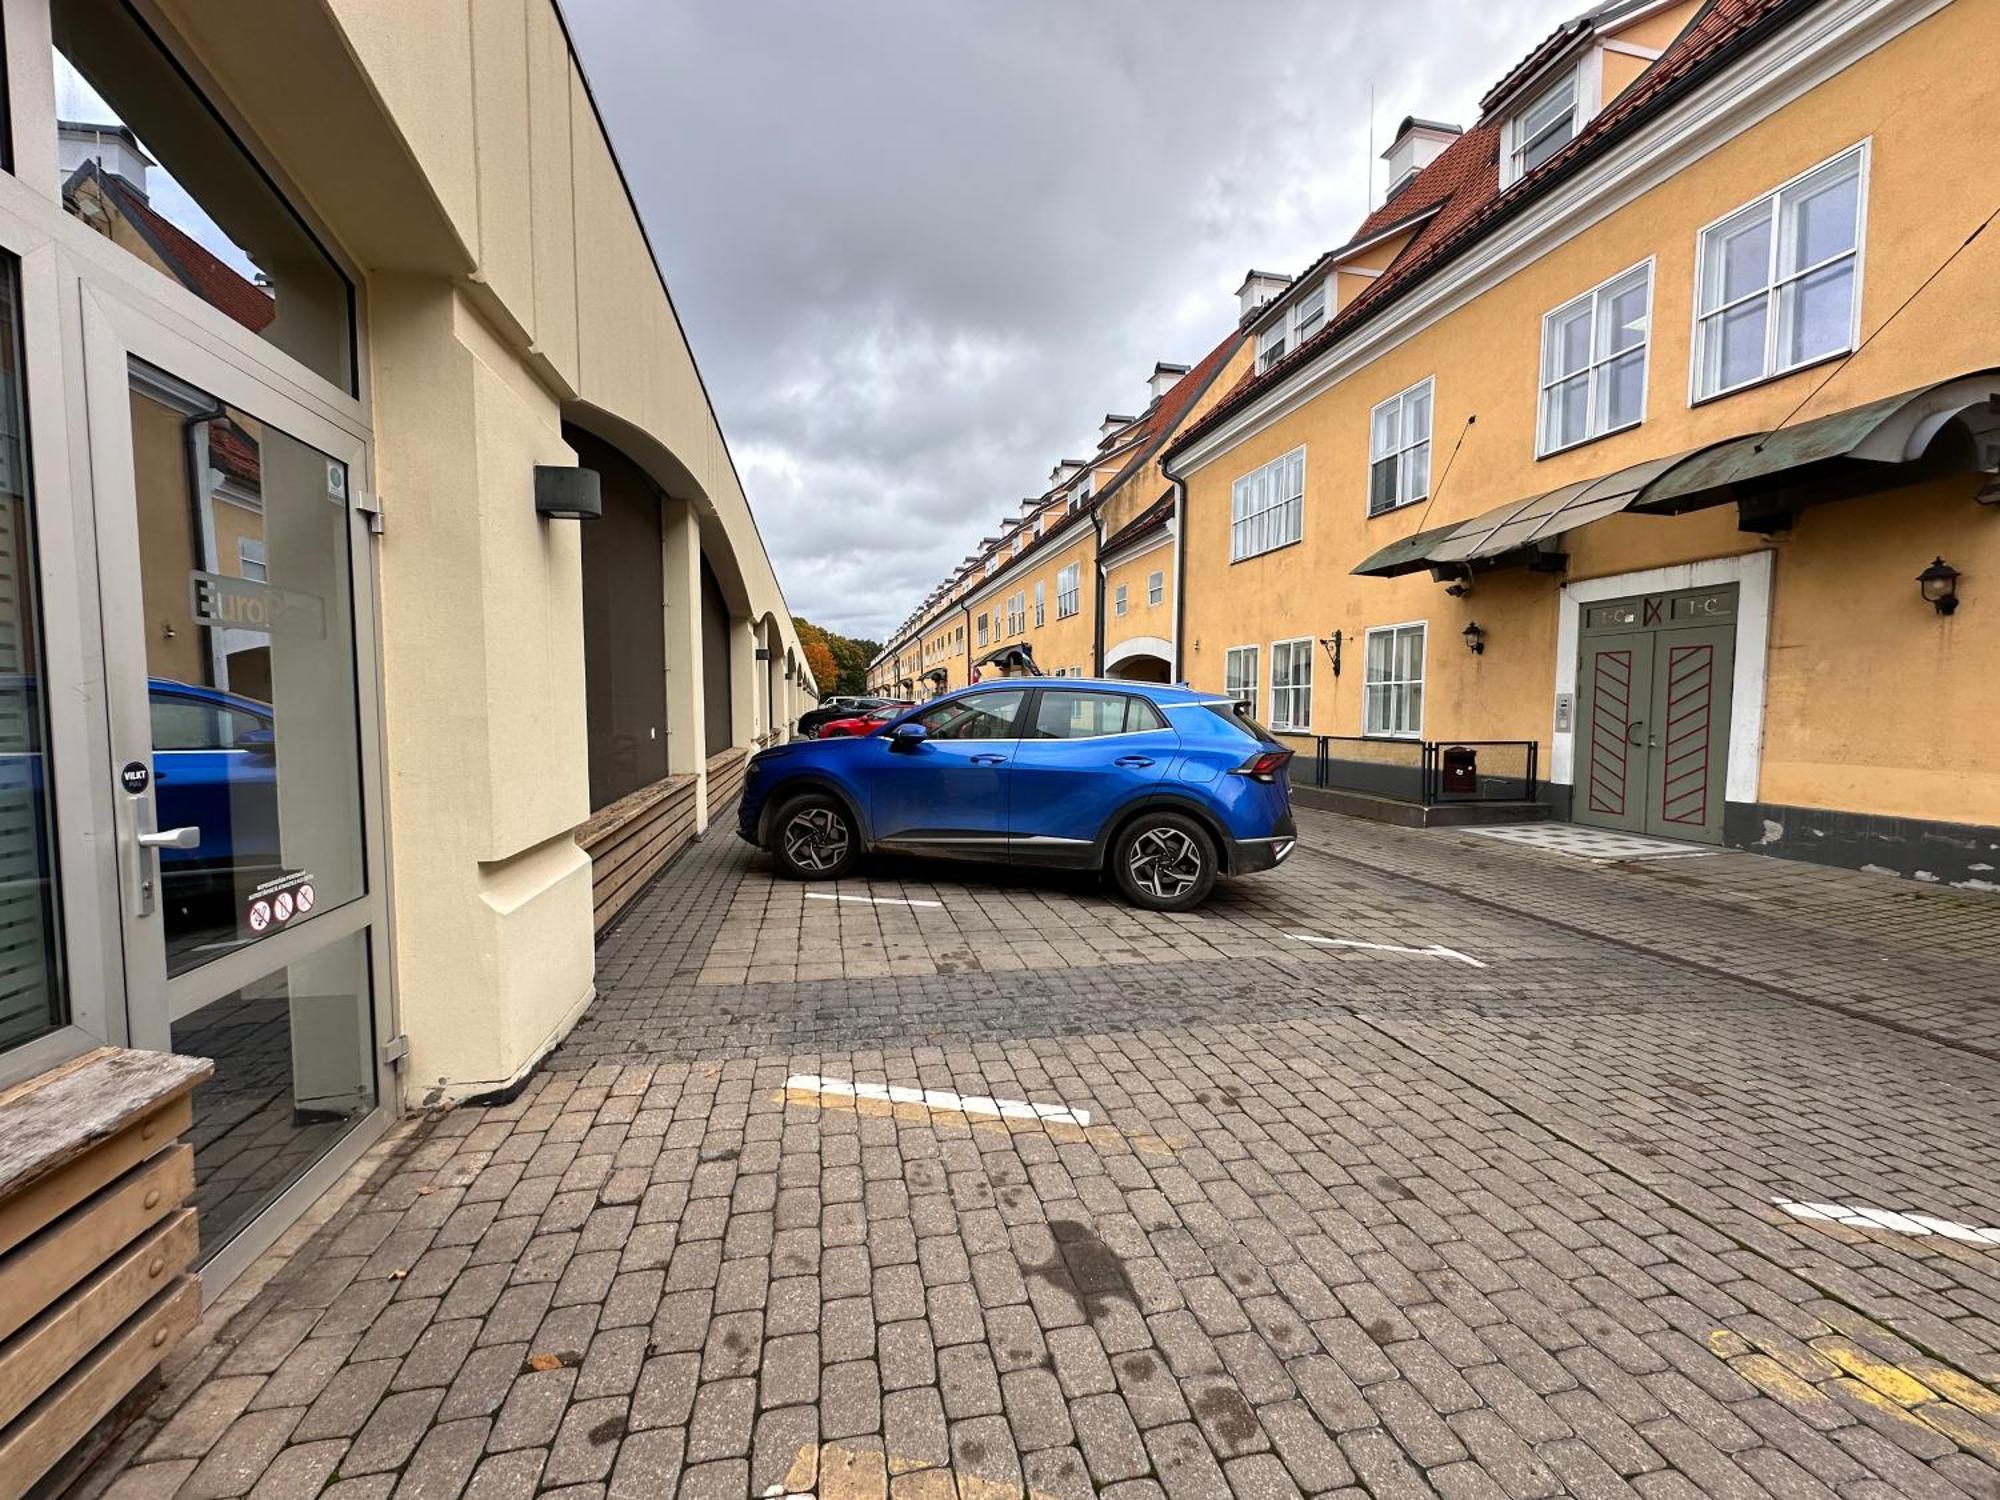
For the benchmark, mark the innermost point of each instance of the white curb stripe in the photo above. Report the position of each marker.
(1435, 950)
(872, 900)
(965, 1104)
(1855, 1217)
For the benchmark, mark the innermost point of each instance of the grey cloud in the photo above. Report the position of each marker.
(921, 246)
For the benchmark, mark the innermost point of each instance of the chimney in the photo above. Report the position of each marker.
(112, 147)
(1163, 379)
(1064, 472)
(1258, 288)
(1111, 423)
(1418, 143)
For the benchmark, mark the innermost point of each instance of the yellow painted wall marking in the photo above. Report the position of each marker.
(1104, 1137)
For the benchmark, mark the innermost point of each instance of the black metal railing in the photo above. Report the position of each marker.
(1424, 772)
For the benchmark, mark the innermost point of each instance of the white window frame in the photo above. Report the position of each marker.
(1405, 446)
(1017, 612)
(1156, 587)
(1585, 80)
(1069, 584)
(1118, 600)
(251, 553)
(1409, 732)
(1271, 344)
(1774, 284)
(1262, 520)
(1292, 694)
(1292, 328)
(1041, 602)
(1244, 691)
(985, 626)
(1596, 299)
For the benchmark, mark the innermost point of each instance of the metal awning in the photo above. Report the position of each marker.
(1847, 452)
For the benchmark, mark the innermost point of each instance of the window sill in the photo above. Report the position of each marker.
(1253, 556)
(1771, 379)
(1609, 432)
(1390, 510)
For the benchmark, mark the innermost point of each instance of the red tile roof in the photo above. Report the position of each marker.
(192, 264)
(1463, 183)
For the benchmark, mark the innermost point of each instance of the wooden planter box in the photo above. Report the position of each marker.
(96, 1242)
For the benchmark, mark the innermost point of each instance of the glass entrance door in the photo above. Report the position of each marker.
(234, 590)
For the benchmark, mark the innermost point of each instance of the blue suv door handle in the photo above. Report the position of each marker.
(1133, 760)
(987, 760)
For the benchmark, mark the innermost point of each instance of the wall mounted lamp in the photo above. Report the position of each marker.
(567, 493)
(1939, 586)
(1475, 639)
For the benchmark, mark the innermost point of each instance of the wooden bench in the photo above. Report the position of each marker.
(96, 1242)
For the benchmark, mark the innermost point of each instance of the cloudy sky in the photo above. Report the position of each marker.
(922, 246)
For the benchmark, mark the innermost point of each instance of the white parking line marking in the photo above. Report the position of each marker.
(872, 900)
(1855, 1217)
(1435, 950)
(965, 1104)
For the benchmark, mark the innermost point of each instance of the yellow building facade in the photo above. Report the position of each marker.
(1640, 460)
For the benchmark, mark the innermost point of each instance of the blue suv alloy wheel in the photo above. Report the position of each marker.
(1163, 789)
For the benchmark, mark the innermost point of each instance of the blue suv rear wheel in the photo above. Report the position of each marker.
(1164, 861)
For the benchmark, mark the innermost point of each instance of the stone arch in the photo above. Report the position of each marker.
(1140, 658)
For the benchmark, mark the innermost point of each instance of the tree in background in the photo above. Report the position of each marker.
(839, 663)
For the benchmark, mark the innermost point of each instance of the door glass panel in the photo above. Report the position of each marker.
(147, 164)
(31, 992)
(294, 1070)
(250, 668)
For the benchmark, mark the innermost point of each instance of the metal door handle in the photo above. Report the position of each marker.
(172, 838)
(1634, 736)
(1133, 760)
(988, 760)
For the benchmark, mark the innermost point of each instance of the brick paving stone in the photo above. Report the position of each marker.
(1343, 1221)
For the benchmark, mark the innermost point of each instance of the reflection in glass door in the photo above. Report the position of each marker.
(244, 787)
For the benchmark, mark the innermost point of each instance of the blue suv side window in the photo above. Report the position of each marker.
(983, 716)
(190, 724)
(1069, 715)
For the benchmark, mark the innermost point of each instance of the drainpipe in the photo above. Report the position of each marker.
(194, 449)
(1097, 565)
(966, 610)
(1174, 672)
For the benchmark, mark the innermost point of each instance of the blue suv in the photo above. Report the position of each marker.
(1164, 788)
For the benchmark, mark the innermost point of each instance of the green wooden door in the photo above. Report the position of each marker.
(1687, 739)
(1616, 690)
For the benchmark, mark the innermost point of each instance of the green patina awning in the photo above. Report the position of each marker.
(1891, 432)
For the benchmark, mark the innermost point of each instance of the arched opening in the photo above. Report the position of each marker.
(1140, 658)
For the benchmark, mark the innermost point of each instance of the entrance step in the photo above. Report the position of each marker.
(1415, 815)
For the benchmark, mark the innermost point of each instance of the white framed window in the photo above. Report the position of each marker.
(1292, 684)
(992, 566)
(1017, 613)
(1778, 282)
(1393, 681)
(1267, 507)
(1239, 675)
(1041, 601)
(1076, 671)
(1399, 449)
(1156, 586)
(982, 630)
(1299, 322)
(1118, 600)
(1594, 350)
(1544, 127)
(1066, 591)
(251, 559)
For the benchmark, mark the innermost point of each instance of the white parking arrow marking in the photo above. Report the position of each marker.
(941, 1099)
(872, 900)
(1435, 950)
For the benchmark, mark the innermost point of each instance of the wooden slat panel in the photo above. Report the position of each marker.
(57, 1193)
(39, 1355)
(35, 1441)
(57, 1116)
(37, 1273)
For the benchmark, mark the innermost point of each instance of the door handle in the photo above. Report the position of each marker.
(988, 760)
(1133, 760)
(172, 838)
(1634, 737)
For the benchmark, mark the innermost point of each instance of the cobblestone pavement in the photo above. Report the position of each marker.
(1492, 1205)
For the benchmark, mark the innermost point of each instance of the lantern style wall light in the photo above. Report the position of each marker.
(1475, 639)
(1939, 586)
(567, 494)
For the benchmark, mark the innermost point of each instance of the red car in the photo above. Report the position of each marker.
(867, 723)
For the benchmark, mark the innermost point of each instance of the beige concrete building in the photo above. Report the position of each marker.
(379, 604)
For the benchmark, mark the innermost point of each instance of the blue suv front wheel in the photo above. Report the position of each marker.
(814, 838)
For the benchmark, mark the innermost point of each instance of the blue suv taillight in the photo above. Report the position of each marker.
(1264, 765)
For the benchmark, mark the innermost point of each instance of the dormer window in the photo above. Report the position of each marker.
(1271, 346)
(1310, 315)
(1295, 325)
(1544, 127)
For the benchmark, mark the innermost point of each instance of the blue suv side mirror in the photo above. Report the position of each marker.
(907, 736)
